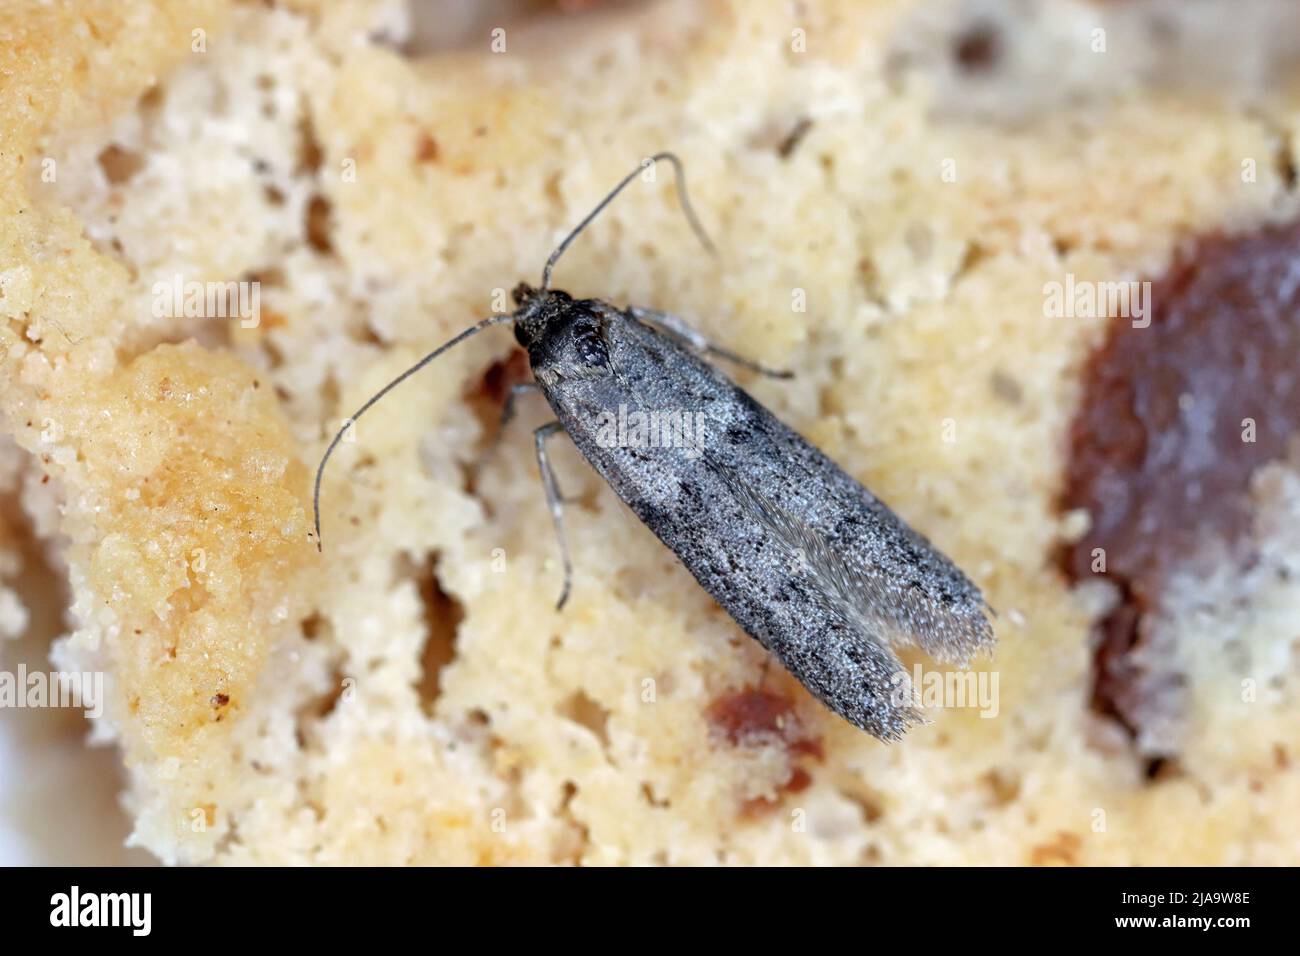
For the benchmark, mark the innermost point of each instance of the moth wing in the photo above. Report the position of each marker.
(846, 594)
(885, 602)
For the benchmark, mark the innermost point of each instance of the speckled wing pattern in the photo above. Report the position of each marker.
(803, 557)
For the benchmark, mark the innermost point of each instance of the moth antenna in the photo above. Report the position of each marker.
(679, 175)
(320, 469)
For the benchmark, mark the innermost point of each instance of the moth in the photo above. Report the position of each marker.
(804, 558)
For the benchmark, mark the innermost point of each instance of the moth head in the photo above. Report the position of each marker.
(562, 335)
(523, 294)
(536, 311)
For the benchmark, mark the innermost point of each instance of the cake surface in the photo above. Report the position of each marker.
(893, 188)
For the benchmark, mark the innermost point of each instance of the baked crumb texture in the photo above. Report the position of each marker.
(890, 184)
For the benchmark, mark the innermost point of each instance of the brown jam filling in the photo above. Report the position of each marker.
(1175, 419)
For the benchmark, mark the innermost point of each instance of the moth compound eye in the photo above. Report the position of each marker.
(590, 345)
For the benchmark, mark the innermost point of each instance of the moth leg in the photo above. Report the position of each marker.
(507, 416)
(678, 328)
(508, 409)
(554, 502)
